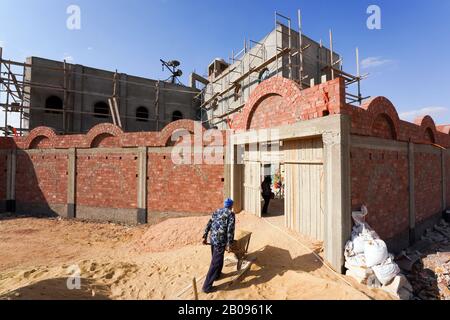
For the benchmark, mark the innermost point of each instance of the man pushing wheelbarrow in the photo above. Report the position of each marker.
(222, 228)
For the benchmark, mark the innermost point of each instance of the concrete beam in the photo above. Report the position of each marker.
(142, 185)
(337, 193)
(71, 183)
(444, 181)
(412, 204)
(11, 181)
(378, 144)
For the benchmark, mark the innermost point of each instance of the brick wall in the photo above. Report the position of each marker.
(107, 173)
(380, 181)
(41, 178)
(428, 187)
(3, 159)
(106, 180)
(185, 188)
(447, 169)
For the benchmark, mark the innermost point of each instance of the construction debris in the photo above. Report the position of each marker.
(429, 269)
(368, 260)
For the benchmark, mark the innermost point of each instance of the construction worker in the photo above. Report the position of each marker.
(221, 226)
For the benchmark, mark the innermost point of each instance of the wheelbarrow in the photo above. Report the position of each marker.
(239, 248)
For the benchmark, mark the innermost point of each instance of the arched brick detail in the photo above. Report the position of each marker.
(167, 132)
(427, 128)
(275, 86)
(102, 131)
(381, 109)
(40, 137)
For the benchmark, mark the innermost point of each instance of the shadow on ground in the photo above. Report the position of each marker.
(271, 262)
(56, 289)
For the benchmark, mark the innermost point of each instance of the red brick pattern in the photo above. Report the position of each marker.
(380, 181)
(107, 180)
(3, 160)
(41, 179)
(447, 176)
(427, 185)
(183, 188)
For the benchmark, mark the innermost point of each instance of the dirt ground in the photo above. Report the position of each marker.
(38, 255)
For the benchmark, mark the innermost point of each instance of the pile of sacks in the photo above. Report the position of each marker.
(368, 261)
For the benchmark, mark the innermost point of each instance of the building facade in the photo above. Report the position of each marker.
(74, 98)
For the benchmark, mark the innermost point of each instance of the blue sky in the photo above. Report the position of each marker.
(408, 59)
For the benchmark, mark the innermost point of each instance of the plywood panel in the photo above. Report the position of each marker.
(252, 186)
(304, 187)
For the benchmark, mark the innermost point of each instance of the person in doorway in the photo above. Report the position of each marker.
(267, 193)
(221, 226)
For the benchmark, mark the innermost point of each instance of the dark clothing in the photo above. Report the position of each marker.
(215, 270)
(221, 226)
(266, 187)
(266, 203)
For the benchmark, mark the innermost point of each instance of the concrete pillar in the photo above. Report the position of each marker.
(71, 183)
(76, 119)
(11, 181)
(412, 204)
(337, 193)
(444, 181)
(123, 103)
(142, 185)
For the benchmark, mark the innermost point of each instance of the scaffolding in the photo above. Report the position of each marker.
(16, 85)
(288, 59)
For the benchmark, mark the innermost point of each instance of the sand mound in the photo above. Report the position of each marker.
(172, 234)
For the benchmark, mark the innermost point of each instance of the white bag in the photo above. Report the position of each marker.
(357, 261)
(386, 271)
(375, 252)
(358, 244)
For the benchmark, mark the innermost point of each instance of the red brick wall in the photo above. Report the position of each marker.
(41, 179)
(185, 188)
(3, 159)
(106, 180)
(379, 179)
(427, 185)
(271, 112)
(447, 167)
(109, 179)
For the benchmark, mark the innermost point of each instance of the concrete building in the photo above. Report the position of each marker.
(144, 104)
(230, 85)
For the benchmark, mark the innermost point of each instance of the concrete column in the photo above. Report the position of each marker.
(11, 181)
(123, 103)
(444, 181)
(412, 204)
(71, 183)
(142, 185)
(337, 193)
(76, 122)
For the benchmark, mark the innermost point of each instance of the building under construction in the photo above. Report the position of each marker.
(74, 98)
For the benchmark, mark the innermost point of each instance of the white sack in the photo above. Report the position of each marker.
(386, 271)
(375, 252)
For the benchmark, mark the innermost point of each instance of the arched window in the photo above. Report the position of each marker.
(101, 110)
(177, 115)
(53, 105)
(142, 114)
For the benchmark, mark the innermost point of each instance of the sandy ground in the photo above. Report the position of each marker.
(157, 262)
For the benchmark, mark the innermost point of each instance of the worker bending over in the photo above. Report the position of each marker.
(221, 226)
